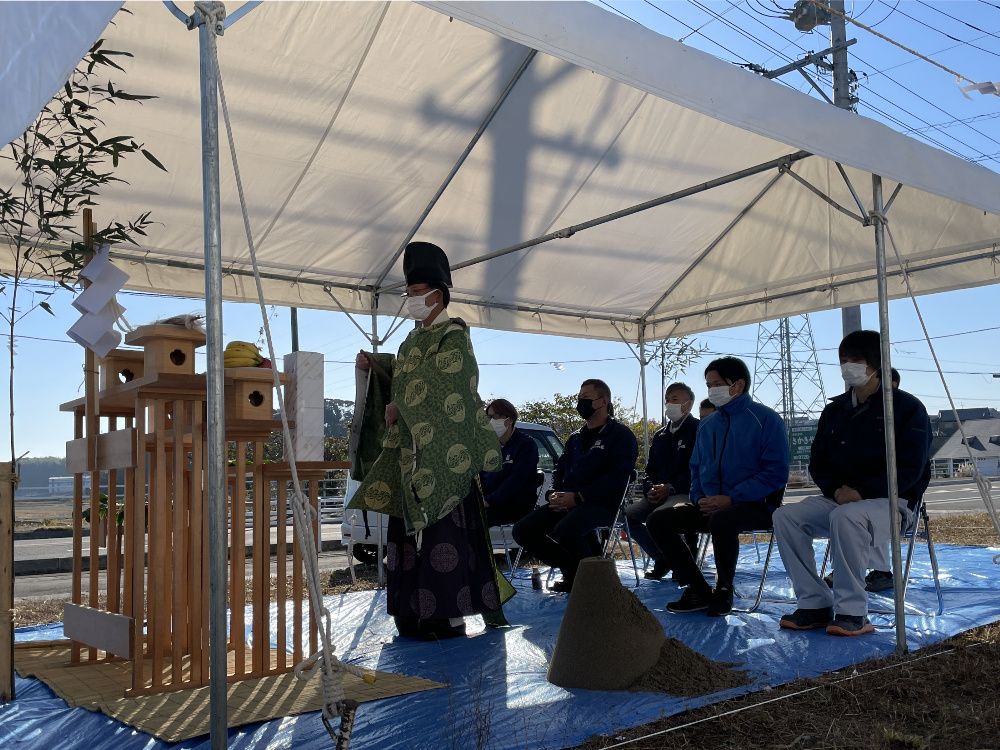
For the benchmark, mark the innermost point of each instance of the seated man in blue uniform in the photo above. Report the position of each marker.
(511, 493)
(848, 464)
(587, 487)
(668, 474)
(739, 470)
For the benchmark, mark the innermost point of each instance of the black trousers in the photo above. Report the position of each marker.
(668, 527)
(561, 539)
(510, 512)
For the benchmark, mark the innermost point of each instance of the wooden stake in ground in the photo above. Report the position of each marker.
(6, 582)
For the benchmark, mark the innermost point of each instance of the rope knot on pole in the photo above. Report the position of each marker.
(213, 16)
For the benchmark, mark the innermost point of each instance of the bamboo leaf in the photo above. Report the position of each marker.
(153, 160)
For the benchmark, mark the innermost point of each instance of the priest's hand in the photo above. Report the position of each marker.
(391, 413)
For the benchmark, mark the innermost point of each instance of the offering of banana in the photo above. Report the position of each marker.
(241, 354)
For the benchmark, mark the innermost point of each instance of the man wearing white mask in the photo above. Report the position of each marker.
(739, 470)
(432, 442)
(668, 474)
(511, 493)
(848, 464)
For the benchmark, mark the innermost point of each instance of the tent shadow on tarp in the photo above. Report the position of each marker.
(498, 696)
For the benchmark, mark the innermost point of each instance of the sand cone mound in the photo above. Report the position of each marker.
(607, 639)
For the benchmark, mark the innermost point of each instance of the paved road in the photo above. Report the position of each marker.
(34, 549)
(58, 585)
(957, 497)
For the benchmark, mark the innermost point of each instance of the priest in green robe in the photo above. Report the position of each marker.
(435, 440)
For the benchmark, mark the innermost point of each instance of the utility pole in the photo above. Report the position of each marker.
(850, 316)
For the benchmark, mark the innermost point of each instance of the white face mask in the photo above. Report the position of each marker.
(499, 426)
(675, 412)
(719, 395)
(416, 307)
(855, 374)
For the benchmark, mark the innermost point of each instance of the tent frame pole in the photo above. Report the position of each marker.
(209, 28)
(782, 162)
(878, 219)
(643, 360)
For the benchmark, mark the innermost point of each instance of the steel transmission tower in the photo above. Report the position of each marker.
(787, 364)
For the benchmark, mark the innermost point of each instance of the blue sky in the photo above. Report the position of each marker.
(908, 94)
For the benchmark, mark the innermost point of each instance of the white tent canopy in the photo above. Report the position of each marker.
(350, 117)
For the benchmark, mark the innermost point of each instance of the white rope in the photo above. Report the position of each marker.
(331, 668)
(981, 482)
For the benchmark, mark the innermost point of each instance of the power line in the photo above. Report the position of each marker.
(891, 41)
(619, 12)
(945, 33)
(698, 31)
(956, 18)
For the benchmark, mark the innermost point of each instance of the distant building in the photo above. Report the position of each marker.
(982, 438)
(63, 486)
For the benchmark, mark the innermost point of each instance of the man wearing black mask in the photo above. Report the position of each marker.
(587, 487)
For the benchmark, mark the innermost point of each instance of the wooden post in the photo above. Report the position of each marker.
(260, 661)
(76, 595)
(313, 620)
(237, 561)
(93, 428)
(135, 528)
(179, 578)
(196, 587)
(281, 596)
(113, 578)
(6, 582)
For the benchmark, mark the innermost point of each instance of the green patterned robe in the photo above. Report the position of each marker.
(442, 439)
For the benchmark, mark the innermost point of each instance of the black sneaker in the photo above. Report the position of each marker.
(721, 602)
(878, 580)
(807, 619)
(690, 601)
(849, 625)
(561, 587)
(657, 572)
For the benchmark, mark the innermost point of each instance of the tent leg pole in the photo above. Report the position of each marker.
(378, 545)
(217, 542)
(642, 385)
(887, 404)
(295, 328)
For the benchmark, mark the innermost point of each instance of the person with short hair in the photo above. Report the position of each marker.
(668, 474)
(705, 409)
(739, 469)
(848, 464)
(511, 493)
(588, 483)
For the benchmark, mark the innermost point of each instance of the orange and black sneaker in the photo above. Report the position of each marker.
(849, 625)
(807, 619)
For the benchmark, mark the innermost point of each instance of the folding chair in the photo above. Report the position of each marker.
(776, 498)
(610, 537)
(910, 534)
(509, 527)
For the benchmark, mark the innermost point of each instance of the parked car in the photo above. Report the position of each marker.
(365, 541)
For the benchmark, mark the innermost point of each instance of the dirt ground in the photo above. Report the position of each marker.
(945, 696)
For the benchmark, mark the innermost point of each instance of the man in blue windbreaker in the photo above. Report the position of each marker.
(739, 469)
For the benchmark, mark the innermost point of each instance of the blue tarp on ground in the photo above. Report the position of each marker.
(498, 696)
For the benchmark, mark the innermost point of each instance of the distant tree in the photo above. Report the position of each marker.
(337, 416)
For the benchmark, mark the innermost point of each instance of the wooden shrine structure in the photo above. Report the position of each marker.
(142, 423)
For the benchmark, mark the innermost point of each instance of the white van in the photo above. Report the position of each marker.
(365, 541)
